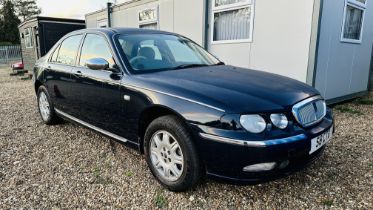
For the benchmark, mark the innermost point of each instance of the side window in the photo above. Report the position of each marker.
(53, 59)
(232, 20)
(95, 46)
(28, 38)
(353, 21)
(69, 50)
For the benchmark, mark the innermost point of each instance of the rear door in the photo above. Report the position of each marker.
(58, 72)
(96, 93)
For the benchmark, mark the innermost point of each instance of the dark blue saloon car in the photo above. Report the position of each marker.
(187, 112)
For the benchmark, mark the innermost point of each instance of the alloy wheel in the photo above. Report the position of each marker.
(44, 106)
(166, 156)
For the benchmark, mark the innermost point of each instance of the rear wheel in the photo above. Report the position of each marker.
(171, 154)
(46, 109)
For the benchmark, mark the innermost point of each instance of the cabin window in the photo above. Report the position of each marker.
(28, 38)
(359, 2)
(353, 21)
(55, 54)
(148, 18)
(232, 21)
(102, 23)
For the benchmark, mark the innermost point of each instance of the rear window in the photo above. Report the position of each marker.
(69, 50)
(55, 54)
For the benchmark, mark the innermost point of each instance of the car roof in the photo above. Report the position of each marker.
(111, 31)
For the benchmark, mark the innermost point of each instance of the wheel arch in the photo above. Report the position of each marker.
(149, 115)
(37, 84)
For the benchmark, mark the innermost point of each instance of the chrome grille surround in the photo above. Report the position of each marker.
(310, 111)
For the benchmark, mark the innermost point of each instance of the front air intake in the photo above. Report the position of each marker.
(310, 111)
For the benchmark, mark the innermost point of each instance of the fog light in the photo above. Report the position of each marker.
(260, 167)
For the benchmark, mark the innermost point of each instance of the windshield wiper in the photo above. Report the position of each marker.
(185, 66)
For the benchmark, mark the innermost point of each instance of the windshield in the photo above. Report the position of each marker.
(155, 52)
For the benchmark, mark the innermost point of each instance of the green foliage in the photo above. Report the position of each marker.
(8, 23)
(160, 200)
(99, 179)
(96, 172)
(27, 9)
(129, 173)
(10, 10)
(364, 101)
(328, 202)
(5, 43)
(346, 109)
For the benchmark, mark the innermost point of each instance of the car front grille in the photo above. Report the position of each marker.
(310, 111)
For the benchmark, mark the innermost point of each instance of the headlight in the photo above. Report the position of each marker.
(279, 120)
(253, 123)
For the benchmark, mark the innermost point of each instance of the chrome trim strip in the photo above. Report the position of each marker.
(107, 133)
(190, 100)
(257, 144)
(304, 102)
(301, 104)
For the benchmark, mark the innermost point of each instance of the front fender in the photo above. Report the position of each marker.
(191, 111)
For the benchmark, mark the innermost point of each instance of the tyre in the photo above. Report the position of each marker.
(171, 154)
(46, 109)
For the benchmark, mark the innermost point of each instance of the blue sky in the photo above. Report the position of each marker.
(71, 8)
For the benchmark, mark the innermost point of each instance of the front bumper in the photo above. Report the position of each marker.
(226, 157)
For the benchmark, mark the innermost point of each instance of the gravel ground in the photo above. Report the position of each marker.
(67, 166)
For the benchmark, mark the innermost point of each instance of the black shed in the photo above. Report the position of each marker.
(39, 34)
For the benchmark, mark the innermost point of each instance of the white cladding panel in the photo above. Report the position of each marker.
(282, 34)
(281, 39)
(179, 16)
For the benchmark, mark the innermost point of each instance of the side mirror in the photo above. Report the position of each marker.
(97, 64)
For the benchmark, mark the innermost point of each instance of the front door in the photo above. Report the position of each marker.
(96, 93)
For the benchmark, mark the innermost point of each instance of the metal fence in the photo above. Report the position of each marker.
(10, 54)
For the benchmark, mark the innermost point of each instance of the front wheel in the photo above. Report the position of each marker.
(171, 154)
(46, 109)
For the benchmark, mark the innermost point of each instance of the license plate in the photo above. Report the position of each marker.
(318, 142)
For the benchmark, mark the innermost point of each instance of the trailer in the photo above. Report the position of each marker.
(39, 34)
